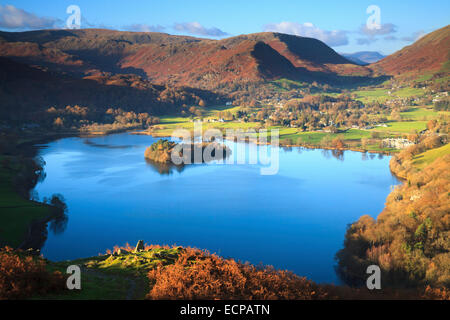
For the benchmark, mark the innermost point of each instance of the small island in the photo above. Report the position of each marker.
(161, 152)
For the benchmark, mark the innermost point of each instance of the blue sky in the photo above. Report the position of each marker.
(338, 23)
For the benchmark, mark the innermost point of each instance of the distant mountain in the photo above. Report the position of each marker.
(364, 57)
(179, 60)
(430, 54)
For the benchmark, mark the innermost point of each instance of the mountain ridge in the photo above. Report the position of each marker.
(180, 60)
(209, 64)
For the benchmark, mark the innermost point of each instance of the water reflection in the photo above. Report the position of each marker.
(164, 168)
(364, 156)
(58, 222)
(337, 154)
(60, 219)
(89, 142)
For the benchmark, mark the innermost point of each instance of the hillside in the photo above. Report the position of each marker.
(254, 57)
(185, 61)
(167, 273)
(46, 89)
(429, 54)
(409, 239)
(82, 52)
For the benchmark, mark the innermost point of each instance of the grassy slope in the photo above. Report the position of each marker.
(115, 277)
(317, 137)
(423, 159)
(415, 119)
(381, 94)
(124, 277)
(400, 127)
(16, 213)
(422, 113)
(366, 96)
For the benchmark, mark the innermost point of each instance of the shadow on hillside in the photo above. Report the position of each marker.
(108, 63)
(37, 36)
(51, 89)
(336, 80)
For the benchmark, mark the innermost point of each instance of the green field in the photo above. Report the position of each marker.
(408, 92)
(382, 95)
(402, 127)
(375, 95)
(314, 138)
(422, 113)
(415, 119)
(170, 123)
(16, 213)
(286, 85)
(424, 77)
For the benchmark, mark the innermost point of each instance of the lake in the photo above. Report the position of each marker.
(294, 220)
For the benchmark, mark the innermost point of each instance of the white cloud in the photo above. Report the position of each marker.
(384, 29)
(144, 28)
(197, 29)
(371, 34)
(332, 38)
(16, 19)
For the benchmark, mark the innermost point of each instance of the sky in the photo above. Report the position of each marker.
(345, 25)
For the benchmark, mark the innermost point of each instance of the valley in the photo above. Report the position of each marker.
(87, 127)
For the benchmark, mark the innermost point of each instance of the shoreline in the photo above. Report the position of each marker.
(386, 153)
(53, 136)
(37, 232)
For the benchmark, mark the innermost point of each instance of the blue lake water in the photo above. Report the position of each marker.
(294, 220)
